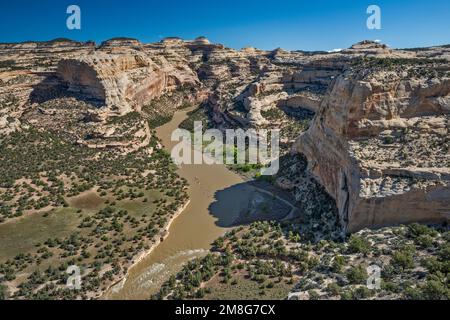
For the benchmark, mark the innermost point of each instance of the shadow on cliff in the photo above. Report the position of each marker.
(303, 201)
(248, 202)
(52, 87)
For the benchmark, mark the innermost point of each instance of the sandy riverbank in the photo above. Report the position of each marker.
(163, 234)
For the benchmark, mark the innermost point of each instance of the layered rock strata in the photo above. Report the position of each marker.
(378, 142)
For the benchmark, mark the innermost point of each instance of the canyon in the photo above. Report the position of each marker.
(87, 178)
(378, 141)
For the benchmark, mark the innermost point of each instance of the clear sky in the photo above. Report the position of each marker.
(290, 24)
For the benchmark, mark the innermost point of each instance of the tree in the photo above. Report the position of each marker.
(361, 293)
(444, 252)
(218, 243)
(313, 295)
(334, 289)
(416, 230)
(424, 241)
(338, 264)
(403, 258)
(358, 245)
(4, 294)
(200, 293)
(435, 290)
(357, 275)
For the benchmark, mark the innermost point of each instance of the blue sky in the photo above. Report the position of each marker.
(290, 24)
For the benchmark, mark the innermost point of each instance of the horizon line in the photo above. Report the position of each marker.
(99, 43)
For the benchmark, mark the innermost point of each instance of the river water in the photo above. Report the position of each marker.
(217, 196)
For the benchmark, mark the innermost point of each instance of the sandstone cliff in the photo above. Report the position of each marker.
(380, 143)
(123, 81)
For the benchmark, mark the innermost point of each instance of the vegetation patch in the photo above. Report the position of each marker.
(64, 204)
(267, 260)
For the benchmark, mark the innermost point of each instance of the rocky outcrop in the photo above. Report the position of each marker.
(380, 144)
(26, 72)
(53, 45)
(306, 100)
(123, 81)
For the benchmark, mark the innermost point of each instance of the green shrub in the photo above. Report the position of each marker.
(431, 290)
(3, 292)
(403, 258)
(435, 290)
(413, 294)
(358, 244)
(218, 243)
(431, 264)
(424, 241)
(444, 252)
(338, 263)
(334, 289)
(357, 275)
(159, 120)
(415, 230)
(313, 295)
(200, 293)
(361, 293)
(388, 272)
(388, 140)
(390, 286)
(346, 295)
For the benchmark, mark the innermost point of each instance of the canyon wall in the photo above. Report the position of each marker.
(378, 141)
(379, 144)
(124, 81)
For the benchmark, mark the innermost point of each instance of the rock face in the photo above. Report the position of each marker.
(26, 71)
(123, 81)
(380, 144)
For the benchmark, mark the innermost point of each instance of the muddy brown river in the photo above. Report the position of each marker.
(217, 197)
